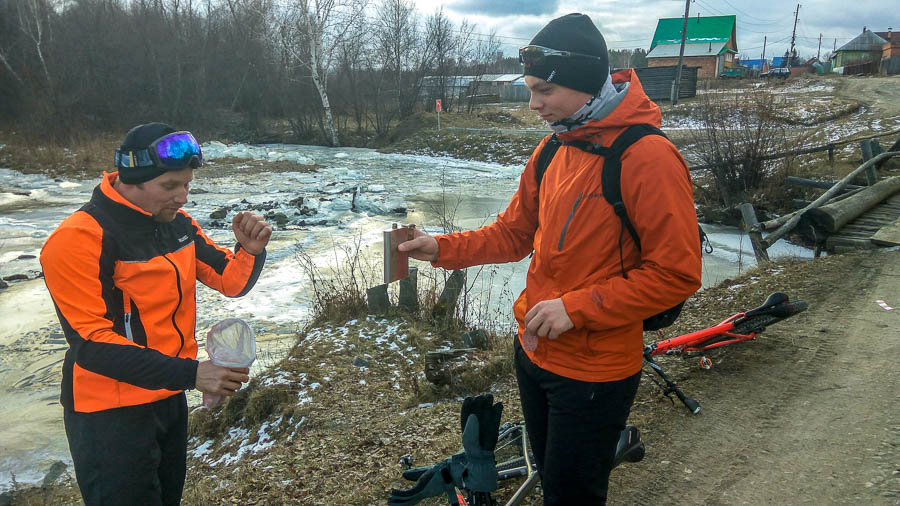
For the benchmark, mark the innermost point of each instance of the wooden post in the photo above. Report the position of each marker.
(446, 304)
(831, 154)
(756, 239)
(409, 291)
(867, 153)
(377, 296)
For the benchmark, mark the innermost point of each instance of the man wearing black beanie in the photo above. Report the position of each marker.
(593, 281)
(122, 272)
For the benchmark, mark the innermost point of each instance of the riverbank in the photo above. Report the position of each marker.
(329, 423)
(259, 424)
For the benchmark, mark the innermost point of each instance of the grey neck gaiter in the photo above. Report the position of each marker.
(597, 107)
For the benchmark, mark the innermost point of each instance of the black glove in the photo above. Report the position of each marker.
(442, 478)
(480, 419)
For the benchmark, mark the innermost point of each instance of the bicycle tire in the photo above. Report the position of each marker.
(757, 324)
(511, 464)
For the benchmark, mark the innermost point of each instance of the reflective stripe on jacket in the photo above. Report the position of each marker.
(575, 234)
(124, 290)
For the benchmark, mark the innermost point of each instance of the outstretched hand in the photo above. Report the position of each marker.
(421, 247)
(251, 231)
(547, 318)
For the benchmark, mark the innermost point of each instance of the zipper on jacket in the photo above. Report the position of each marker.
(562, 236)
(128, 333)
(177, 285)
(127, 308)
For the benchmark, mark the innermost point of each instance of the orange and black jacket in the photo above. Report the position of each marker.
(124, 290)
(575, 236)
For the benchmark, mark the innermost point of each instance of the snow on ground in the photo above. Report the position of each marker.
(240, 443)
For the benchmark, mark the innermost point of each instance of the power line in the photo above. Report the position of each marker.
(765, 21)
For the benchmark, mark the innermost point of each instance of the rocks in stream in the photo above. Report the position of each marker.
(298, 211)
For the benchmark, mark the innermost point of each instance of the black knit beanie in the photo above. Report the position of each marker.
(576, 33)
(140, 137)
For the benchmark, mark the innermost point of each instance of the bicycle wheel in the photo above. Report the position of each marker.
(509, 453)
(757, 324)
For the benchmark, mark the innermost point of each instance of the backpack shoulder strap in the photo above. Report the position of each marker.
(612, 172)
(545, 157)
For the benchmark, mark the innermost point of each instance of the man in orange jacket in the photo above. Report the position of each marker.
(122, 272)
(579, 349)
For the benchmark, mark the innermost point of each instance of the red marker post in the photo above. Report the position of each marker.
(437, 107)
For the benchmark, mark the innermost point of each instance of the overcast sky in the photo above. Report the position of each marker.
(628, 24)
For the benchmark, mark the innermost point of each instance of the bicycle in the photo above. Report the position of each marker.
(514, 459)
(736, 328)
(513, 456)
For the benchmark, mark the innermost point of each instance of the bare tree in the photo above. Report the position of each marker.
(484, 55)
(316, 29)
(34, 21)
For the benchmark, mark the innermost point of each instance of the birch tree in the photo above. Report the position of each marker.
(314, 31)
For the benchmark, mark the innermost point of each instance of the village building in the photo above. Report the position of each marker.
(710, 44)
(864, 53)
(890, 53)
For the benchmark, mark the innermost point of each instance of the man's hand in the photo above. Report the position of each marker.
(251, 231)
(217, 380)
(548, 318)
(421, 247)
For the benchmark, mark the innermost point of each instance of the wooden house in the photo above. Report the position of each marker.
(710, 44)
(861, 55)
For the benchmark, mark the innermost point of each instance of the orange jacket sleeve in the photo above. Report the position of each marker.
(509, 239)
(232, 274)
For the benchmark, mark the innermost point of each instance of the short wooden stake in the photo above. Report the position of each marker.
(409, 292)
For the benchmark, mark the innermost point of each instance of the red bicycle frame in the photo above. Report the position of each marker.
(734, 329)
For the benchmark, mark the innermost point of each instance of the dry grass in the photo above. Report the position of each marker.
(82, 157)
(344, 446)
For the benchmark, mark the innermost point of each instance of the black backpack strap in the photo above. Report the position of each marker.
(545, 157)
(612, 172)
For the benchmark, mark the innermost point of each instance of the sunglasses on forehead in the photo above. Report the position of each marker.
(530, 56)
(174, 151)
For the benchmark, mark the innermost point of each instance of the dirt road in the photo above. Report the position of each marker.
(807, 414)
(881, 94)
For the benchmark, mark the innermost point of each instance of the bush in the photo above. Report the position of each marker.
(737, 132)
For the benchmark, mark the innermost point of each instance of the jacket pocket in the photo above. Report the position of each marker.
(562, 236)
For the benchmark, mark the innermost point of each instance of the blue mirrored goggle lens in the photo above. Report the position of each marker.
(177, 150)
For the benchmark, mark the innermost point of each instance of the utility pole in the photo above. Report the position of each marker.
(793, 37)
(677, 83)
(764, 49)
(819, 52)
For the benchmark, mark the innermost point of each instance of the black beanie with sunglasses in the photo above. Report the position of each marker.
(138, 138)
(576, 33)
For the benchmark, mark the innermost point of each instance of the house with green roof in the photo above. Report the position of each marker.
(711, 44)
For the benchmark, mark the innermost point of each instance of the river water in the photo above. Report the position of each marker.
(347, 203)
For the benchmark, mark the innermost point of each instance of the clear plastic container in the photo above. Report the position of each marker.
(229, 343)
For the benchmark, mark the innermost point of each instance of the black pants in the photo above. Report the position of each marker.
(573, 427)
(131, 455)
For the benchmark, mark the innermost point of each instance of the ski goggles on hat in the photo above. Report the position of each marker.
(531, 56)
(174, 151)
